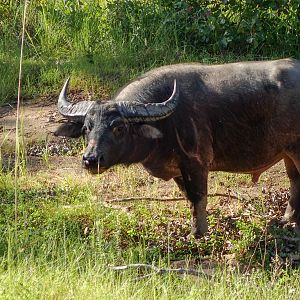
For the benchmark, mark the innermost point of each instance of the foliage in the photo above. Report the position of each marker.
(261, 27)
(116, 40)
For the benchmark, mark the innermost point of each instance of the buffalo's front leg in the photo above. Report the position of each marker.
(194, 180)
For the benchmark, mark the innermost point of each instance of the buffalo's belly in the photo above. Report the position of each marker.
(251, 164)
(249, 150)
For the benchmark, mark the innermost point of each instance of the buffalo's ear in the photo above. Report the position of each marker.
(69, 129)
(150, 132)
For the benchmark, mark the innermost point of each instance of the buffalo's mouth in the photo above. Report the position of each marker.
(94, 163)
(94, 168)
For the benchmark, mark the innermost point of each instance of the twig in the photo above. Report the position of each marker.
(173, 199)
(105, 204)
(129, 199)
(158, 271)
(229, 195)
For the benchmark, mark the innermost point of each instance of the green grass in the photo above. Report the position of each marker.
(29, 281)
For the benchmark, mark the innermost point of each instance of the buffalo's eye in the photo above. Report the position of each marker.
(118, 130)
(84, 130)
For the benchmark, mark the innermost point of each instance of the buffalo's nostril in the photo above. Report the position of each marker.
(85, 160)
(88, 160)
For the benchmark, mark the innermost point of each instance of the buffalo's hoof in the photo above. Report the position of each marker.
(284, 220)
(288, 218)
(297, 229)
(198, 234)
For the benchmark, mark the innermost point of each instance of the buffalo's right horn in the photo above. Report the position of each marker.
(140, 112)
(72, 111)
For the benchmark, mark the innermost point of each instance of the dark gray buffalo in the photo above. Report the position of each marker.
(182, 121)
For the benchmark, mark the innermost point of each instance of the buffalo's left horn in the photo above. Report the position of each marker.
(140, 112)
(72, 111)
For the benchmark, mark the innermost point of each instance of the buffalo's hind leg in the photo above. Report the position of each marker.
(292, 212)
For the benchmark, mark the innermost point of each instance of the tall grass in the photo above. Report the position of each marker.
(30, 281)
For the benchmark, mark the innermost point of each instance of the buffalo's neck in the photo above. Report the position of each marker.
(139, 151)
(162, 162)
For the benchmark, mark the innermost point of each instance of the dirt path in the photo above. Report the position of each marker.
(38, 121)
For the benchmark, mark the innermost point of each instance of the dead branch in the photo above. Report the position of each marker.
(229, 195)
(129, 199)
(158, 271)
(173, 199)
(105, 204)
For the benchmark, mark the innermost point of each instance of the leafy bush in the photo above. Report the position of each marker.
(60, 27)
(119, 39)
(237, 25)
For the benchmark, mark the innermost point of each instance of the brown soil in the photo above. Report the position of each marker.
(39, 122)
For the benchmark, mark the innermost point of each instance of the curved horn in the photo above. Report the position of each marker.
(139, 112)
(72, 111)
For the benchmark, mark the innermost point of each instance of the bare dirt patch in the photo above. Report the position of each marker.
(38, 122)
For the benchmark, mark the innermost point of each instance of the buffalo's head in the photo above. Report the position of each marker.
(116, 132)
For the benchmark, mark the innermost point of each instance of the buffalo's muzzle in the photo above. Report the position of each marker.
(89, 161)
(93, 164)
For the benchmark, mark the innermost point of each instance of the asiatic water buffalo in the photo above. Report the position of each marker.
(182, 121)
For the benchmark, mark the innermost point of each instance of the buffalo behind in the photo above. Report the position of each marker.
(182, 121)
